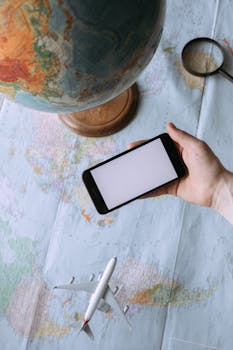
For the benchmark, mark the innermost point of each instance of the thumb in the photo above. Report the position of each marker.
(180, 136)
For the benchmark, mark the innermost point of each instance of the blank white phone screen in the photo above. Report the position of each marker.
(134, 173)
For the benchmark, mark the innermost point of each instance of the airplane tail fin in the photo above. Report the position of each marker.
(86, 328)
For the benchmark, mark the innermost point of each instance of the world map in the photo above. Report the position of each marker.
(175, 261)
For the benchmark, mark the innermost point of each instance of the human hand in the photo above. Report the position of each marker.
(205, 171)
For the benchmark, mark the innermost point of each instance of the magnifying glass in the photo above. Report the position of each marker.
(203, 57)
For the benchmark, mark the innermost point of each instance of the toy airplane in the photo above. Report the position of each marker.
(102, 297)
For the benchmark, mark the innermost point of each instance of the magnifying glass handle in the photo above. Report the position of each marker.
(226, 75)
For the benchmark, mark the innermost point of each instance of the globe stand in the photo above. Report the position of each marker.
(105, 119)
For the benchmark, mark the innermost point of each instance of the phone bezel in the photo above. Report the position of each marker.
(92, 187)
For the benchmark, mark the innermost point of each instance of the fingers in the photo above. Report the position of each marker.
(181, 137)
(135, 143)
(156, 193)
(170, 188)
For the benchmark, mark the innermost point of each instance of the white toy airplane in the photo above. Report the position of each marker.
(102, 297)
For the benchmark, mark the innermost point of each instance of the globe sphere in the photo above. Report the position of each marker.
(71, 55)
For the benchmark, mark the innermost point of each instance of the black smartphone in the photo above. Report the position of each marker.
(133, 173)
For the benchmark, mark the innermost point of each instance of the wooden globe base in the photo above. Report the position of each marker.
(105, 119)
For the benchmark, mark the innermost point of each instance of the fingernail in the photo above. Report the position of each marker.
(172, 125)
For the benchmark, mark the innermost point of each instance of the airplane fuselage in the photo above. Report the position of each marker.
(100, 289)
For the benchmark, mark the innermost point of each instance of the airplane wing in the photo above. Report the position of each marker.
(111, 300)
(103, 306)
(88, 287)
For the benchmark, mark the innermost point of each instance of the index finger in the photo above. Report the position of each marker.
(135, 143)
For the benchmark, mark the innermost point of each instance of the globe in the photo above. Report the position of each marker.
(71, 55)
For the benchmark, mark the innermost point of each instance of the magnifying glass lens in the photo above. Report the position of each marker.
(202, 57)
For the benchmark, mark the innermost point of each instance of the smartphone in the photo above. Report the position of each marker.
(133, 173)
